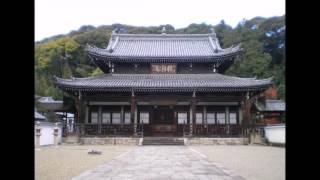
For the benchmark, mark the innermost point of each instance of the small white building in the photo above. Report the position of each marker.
(45, 131)
(275, 134)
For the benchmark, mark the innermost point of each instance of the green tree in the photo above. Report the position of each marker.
(97, 72)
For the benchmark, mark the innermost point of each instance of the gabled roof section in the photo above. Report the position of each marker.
(38, 116)
(271, 105)
(168, 47)
(164, 82)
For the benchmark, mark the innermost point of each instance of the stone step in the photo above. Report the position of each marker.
(162, 141)
(162, 138)
(162, 144)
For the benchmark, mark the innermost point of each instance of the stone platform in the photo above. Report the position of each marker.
(160, 162)
(139, 141)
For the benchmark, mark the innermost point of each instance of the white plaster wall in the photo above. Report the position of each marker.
(47, 137)
(276, 134)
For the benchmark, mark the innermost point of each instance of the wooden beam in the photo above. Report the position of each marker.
(108, 103)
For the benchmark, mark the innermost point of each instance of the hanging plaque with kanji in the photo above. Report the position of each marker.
(163, 68)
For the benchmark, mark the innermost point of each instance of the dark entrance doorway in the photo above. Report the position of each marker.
(163, 122)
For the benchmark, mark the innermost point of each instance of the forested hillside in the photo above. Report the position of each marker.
(263, 40)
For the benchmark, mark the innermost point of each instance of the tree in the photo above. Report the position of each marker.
(97, 72)
(52, 58)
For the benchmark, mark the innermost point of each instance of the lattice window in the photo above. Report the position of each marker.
(94, 117)
(233, 118)
(116, 118)
(106, 118)
(211, 118)
(198, 118)
(221, 118)
(182, 117)
(127, 118)
(144, 117)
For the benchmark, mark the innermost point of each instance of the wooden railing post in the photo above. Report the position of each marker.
(133, 112)
(193, 114)
(183, 133)
(142, 128)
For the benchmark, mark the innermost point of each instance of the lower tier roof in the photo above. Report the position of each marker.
(271, 105)
(163, 82)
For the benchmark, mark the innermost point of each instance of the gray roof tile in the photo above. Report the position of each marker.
(38, 116)
(187, 82)
(271, 105)
(163, 45)
(275, 105)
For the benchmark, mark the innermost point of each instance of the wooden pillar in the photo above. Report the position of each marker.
(79, 102)
(240, 114)
(227, 115)
(247, 109)
(122, 115)
(136, 117)
(205, 114)
(190, 119)
(87, 114)
(246, 112)
(193, 110)
(99, 119)
(133, 112)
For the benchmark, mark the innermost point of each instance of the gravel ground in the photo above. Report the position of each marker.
(250, 162)
(65, 161)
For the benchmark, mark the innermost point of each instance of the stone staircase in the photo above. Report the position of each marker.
(71, 139)
(163, 141)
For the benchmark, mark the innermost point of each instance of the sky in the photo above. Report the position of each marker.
(53, 17)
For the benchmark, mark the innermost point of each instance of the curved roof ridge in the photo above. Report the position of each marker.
(162, 35)
(146, 82)
(83, 78)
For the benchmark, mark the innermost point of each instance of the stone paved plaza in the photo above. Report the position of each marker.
(159, 162)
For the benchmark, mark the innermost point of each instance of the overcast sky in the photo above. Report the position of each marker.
(54, 17)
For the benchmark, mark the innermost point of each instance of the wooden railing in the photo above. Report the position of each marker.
(218, 130)
(253, 128)
(207, 130)
(88, 129)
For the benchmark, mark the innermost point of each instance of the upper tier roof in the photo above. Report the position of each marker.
(164, 82)
(152, 47)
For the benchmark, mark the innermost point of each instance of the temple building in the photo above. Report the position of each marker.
(268, 109)
(163, 85)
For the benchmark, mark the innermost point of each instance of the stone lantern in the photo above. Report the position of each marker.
(38, 133)
(55, 134)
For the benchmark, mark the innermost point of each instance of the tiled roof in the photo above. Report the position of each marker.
(46, 99)
(165, 82)
(38, 116)
(271, 105)
(126, 47)
(275, 105)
